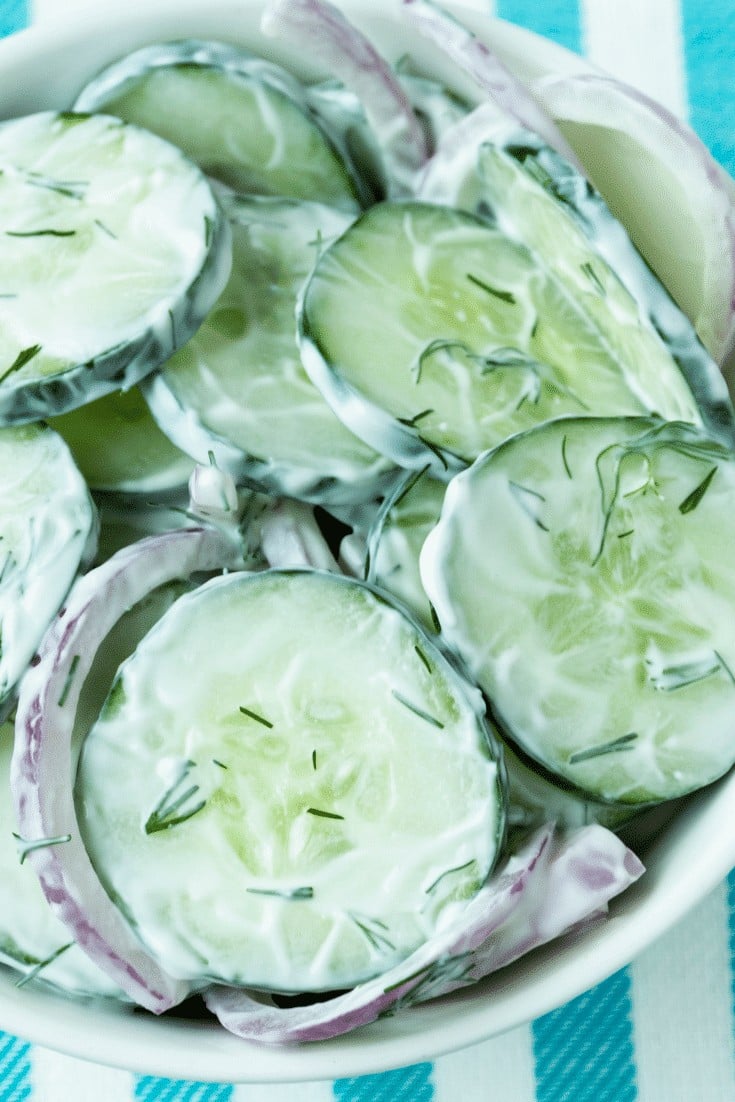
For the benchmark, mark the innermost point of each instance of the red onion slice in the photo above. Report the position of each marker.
(488, 72)
(321, 30)
(41, 772)
(551, 886)
(687, 230)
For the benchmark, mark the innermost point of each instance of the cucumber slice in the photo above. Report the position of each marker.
(507, 175)
(289, 786)
(48, 528)
(584, 571)
(477, 339)
(238, 390)
(244, 120)
(118, 446)
(114, 249)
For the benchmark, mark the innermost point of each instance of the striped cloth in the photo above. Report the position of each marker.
(660, 1030)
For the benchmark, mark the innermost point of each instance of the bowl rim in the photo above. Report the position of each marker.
(179, 1048)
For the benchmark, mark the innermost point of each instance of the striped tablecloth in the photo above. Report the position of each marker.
(660, 1030)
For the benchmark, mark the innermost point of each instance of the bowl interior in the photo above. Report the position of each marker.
(685, 857)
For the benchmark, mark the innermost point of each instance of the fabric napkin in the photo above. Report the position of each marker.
(662, 1029)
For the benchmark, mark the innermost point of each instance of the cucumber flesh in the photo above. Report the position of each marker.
(289, 787)
(509, 177)
(478, 340)
(245, 121)
(609, 668)
(118, 446)
(48, 529)
(238, 389)
(114, 249)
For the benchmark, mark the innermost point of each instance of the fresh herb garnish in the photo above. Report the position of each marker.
(313, 759)
(105, 229)
(254, 715)
(373, 929)
(411, 422)
(564, 456)
(593, 277)
(321, 814)
(422, 656)
(496, 292)
(37, 968)
(522, 495)
(164, 814)
(692, 500)
(448, 872)
(416, 710)
(304, 892)
(26, 846)
(40, 233)
(23, 357)
(623, 743)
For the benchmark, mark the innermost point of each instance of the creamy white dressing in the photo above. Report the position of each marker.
(238, 389)
(325, 662)
(47, 529)
(91, 264)
(645, 657)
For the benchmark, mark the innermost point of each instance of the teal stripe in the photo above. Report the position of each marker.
(148, 1088)
(404, 1085)
(731, 924)
(583, 1051)
(15, 1069)
(14, 15)
(555, 19)
(709, 53)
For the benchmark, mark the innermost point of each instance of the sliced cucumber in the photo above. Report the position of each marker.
(584, 570)
(458, 337)
(508, 176)
(238, 390)
(47, 529)
(119, 447)
(114, 249)
(289, 786)
(244, 120)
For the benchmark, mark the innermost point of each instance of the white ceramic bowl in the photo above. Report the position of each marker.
(686, 857)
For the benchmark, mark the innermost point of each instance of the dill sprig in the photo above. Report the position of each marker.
(416, 710)
(692, 500)
(38, 968)
(254, 715)
(496, 292)
(29, 845)
(625, 742)
(164, 814)
(321, 814)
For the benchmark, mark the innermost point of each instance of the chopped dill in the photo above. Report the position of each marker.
(164, 814)
(305, 892)
(254, 715)
(416, 710)
(593, 277)
(40, 233)
(422, 657)
(623, 743)
(496, 292)
(692, 500)
(320, 814)
(448, 872)
(313, 759)
(37, 968)
(26, 846)
(564, 456)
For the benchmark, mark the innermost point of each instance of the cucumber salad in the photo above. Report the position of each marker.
(365, 576)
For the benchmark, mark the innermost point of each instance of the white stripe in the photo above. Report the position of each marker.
(641, 42)
(501, 1068)
(283, 1092)
(682, 1008)
(58, 1078)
